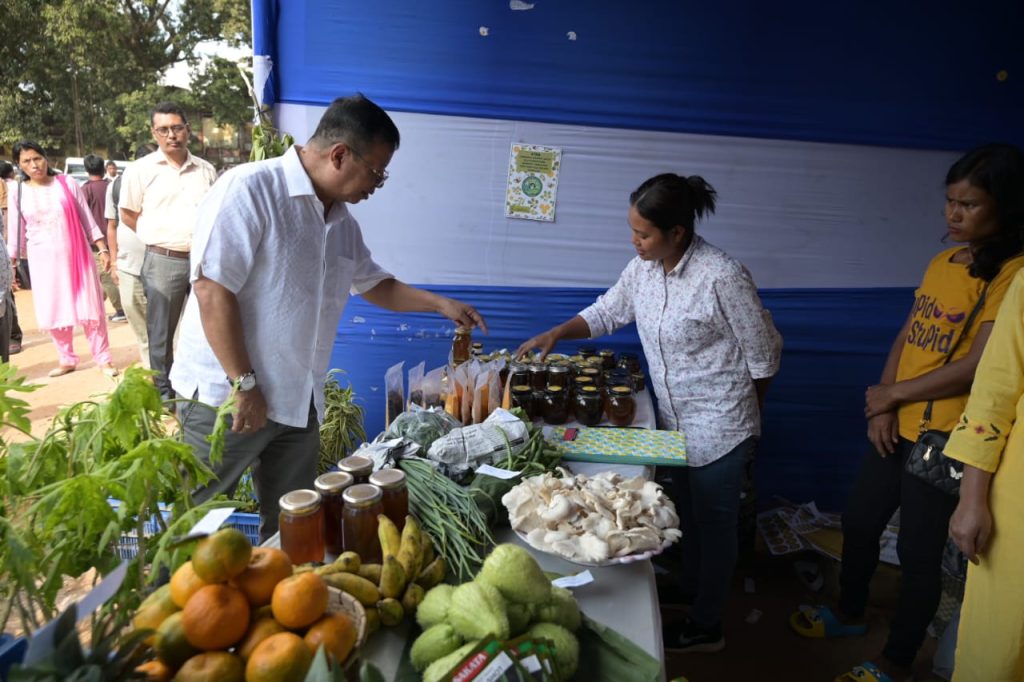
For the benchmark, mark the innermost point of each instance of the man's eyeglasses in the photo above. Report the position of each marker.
(380, 175)
(165, 131)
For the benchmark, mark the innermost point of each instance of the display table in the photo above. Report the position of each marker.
(624, 597)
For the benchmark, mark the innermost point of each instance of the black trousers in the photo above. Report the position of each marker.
(881, 487)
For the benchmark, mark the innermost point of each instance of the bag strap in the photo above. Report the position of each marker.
(21, 224)
(927, 417)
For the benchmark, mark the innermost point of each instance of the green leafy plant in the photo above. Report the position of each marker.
(342, 429)
(267, 142)
(56, 515)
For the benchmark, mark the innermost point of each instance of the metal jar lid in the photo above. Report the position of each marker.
(539, 367)
(558, 369)
(361, 495)
(386, 479)
(606, 353)
(333, 482)
(583, 380)
(521, 388)
(554, 389)
(300, 502)
(590, 390)
(357, 465)
(621, 390)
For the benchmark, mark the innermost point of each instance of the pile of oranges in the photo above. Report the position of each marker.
(234, 613)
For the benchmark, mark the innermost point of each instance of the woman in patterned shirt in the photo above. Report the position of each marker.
(711, 350)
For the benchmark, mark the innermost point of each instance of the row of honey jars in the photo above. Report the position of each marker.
(341, 515)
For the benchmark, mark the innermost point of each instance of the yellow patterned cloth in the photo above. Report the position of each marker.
(622, 446)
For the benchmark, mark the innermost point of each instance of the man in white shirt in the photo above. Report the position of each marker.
(275, 257)
(128, 253)
(159, 197)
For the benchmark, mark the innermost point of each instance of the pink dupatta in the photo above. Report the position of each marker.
(81, 257)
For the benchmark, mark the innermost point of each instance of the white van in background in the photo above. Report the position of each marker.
(75, 167)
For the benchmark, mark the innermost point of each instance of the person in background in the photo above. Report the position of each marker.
(95, 190)
(128, 253)
(263, 323)
(988, 523)
(111, 171)
(983, 195)
(712, 349)
(159, 197)
(13, 345)
(58, 227)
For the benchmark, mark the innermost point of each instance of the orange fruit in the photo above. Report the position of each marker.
(153, 611)
(283, 657)
(212, 666)
(215, 617)
(184, 584)
(267, 567)
(171, 645)
(337, 633)
(155, 671)
(259, 630)
(221, 556)
(299, 600)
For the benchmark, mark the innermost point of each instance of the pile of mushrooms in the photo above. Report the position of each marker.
(592, 519)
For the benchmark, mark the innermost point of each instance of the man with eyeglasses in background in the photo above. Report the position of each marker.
(159, 196)
(277, 255)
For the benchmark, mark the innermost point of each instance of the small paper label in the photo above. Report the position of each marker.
(495, 472)
(211, 522)
(578, 580)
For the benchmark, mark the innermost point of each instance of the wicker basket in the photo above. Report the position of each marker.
(343, 602)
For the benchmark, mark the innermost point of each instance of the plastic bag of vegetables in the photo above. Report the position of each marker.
(421, 426)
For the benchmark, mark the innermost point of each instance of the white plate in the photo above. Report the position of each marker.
(627, 559)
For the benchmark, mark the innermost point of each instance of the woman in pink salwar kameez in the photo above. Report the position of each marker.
(53, 219)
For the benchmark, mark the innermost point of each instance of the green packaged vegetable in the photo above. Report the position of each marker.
(516, 574)
(477, 610)
(561, 609)
(567, 649)
(436, 642)
(434, 607)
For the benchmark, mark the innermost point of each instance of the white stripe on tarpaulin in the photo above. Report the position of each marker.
(797, 214)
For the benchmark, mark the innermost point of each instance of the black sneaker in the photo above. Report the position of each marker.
(686, 637)
(119, 316)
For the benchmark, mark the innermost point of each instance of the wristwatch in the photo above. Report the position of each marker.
(245, 382)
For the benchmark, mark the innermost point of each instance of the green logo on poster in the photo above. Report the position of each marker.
(532, 186)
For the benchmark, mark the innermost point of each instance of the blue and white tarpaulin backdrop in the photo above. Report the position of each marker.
(827, 132)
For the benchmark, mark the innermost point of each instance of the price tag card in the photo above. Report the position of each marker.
(208, 524)
(578, 580)
(495, 472)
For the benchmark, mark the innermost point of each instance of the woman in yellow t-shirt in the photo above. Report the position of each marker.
(983, 197)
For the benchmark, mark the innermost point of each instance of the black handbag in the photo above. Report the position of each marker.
(926, 459)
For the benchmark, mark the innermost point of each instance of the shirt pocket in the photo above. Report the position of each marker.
(692, 334)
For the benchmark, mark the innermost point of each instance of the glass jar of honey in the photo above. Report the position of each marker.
(538, 376)
(301, 521)
(556, 405)
(520, 372)
(607, 356)
(587, 351)
(617, 377)
(462, 344)
(581, 381)
(331, 487)
(476, 350)
(359, 521)
(394, 494)
(639, 381)
(594, 374)
(629, 361)
(558, 375)
(522, 397)
(588, 405)
(358, 467)
(621, 405)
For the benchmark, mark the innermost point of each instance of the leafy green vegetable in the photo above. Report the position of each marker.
(422, 427)
(342, 429)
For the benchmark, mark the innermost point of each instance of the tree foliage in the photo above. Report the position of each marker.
(75, 71)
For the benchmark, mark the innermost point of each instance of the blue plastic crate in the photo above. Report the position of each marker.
(128, 544)
(12, 650)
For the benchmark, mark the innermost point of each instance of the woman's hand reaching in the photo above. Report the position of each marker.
(542, 342)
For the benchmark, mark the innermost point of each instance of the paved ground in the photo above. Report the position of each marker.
(39, 356)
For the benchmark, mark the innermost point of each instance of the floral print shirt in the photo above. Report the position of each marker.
(706, 337)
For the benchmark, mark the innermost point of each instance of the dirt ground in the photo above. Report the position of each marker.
(39, 356)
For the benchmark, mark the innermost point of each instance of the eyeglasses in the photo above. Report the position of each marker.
(165, 131)
(380, 175)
